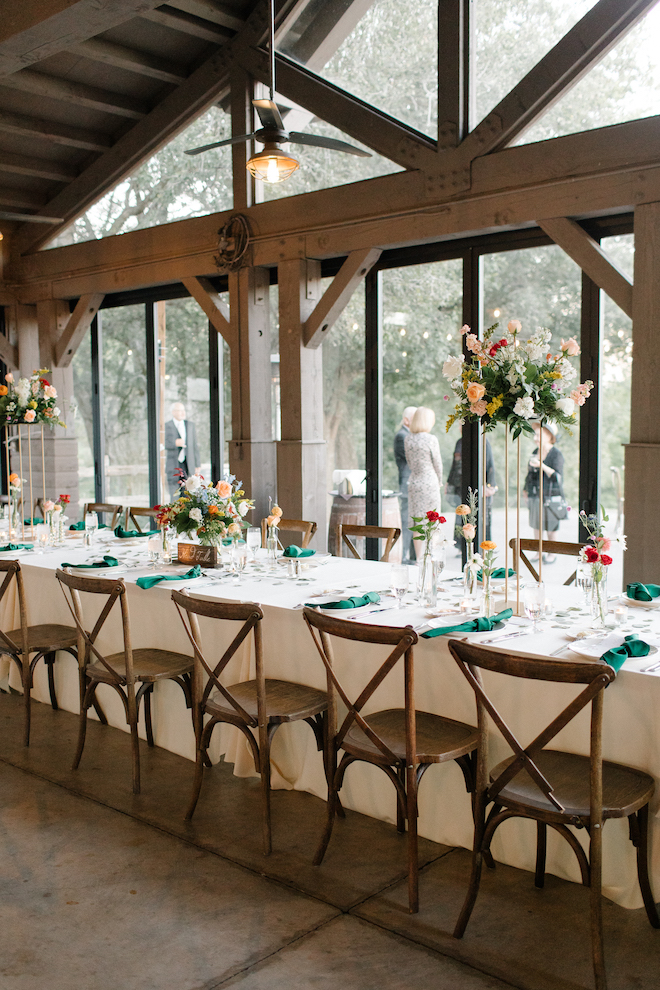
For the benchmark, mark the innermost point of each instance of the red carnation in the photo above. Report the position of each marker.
(591, 554)
(433, 516)
(605, 559)
(503, 342)
(493, 350)
(442, 519)
(64, 499)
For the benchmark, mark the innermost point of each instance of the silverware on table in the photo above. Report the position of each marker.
(509, 635)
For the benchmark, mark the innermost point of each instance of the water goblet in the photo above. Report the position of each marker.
(584, 581)
(240, 555)
(153, 548)
(438, 557)
(399, 582)
(91, 526)
(535, 604)
(253, 540)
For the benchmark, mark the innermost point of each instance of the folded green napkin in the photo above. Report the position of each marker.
(498, 573)
(482, 624)
(632, 646)
(643, 592)
(80, 526)
(35, 520)
(149, 582)
(106, 562)
(294, 551)
(130, 534)
(17, 546)
(370, 598)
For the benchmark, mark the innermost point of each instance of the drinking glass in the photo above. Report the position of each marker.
(399, 582)
(240, 555)
(91, 526)
(42, 534)
(584, 581)
(438, 557)
(253, 540)
(535, 604)
(153, 548)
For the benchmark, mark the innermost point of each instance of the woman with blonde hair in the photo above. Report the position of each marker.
(423, 456)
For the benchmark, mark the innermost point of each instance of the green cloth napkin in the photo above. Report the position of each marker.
(370, 598)
(106, 562)
(632, 646)
(36, 520)
(294, 551)
(482, 624)
(149, 582)
(130, 534)
(643, 592)
(80, 526)
(17, 546)
(497, 573)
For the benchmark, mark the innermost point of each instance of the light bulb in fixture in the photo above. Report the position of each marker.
(272, 164)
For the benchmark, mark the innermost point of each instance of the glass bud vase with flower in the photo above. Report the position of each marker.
(426, 528)
(487, 568)
(15, 492)
(467, 531)
(596, 556)
(272, 536)
(51, 522)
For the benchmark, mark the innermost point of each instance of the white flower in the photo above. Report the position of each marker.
(514, 375)
(193, 483)
(524, 407)
(566, 370)
(56, 410)
(23, 391)
(566, 406)
(534, 351)
(196, 516)
(50, 391)
(243, 507)
(453, 367)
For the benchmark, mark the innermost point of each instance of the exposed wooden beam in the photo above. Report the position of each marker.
(454, 91)
(32, 30)
(330, 26)
(214, 307)
(77, 326)
(48, 130)
(20, 198)
(208, 10)
(40, 168)
(589, 255)
(128, 58)
(335, 298)
(55, 88)
(364, 123)
(179, 20)
(579, 50)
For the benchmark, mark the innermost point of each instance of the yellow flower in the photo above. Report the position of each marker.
(463, 510)
(494, 405)
(488, 545)
(32, 405)
(555, 374)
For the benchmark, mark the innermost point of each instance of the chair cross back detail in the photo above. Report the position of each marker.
(598, 678)
(13, 570)
(389, 534)
(302, 526)
(114, 589)
(134, 513)
(404, 639)
(519, 548)
(251, 616)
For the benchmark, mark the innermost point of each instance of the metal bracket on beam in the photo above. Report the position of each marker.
(440, 185)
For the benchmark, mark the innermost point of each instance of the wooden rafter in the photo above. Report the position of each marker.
(589, 255)
(36, 29)
(144, 64)
(77, 326)
(337, 295)
(40, 168)
(47, 130)
(196, 27)
(213, 305)
(75, 93)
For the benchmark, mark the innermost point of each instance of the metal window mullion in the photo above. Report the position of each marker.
(153, 402)
(591, 324)
(98, 423)
(373, 385)
(471, 447)
(217, 425)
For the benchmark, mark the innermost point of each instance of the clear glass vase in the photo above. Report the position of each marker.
(272, 547)
(470, 573)
(599, 593)
(427, 591)
(487, 604)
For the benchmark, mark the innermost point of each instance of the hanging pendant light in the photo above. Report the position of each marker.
(272, 164)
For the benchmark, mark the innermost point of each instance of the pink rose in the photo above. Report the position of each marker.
(479, 408)
(570, 346)
(224, 489)
(473, 343)
(49, 505)
(475, 391)
(50, 391)
(469, 531)
(465, 329)
(514, 326)
(9, 378)
(30, 416)
(578, 398)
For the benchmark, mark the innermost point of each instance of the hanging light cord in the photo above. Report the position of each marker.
(233, 242)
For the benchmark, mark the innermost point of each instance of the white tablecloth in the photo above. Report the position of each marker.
(631, 732)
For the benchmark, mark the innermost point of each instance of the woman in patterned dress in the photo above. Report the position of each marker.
(423, 456)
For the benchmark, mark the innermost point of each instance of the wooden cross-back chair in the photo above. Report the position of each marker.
(553, 788)
(262, 704)
(403, 742)
(121, 671)
(389, 534)
(549, 546)
(115, 511)
(43, 641)
(306, 529)
(140, 518)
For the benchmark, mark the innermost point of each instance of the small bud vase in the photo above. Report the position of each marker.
(470, 573)
(427, 592)
(487, 604)
(599, 593)
(272, 546)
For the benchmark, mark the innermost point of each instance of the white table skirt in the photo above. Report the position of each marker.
(631, 727)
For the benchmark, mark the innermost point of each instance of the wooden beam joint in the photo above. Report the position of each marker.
(86, 309)
(336, 296)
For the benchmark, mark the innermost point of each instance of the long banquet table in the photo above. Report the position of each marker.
(632, 702)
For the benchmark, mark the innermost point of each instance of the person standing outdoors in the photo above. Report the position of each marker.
(404, 474)
(553, 490)
(425, 463)
(182, 452)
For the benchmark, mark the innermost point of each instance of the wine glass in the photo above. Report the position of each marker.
(253, 539)
(91, 526)
(153, 549)
(438, 557)
(399, 582)
(535, 604)
(240, 556)
(584, 581)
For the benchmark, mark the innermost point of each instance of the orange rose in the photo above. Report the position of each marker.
(488, 545)
(13, 478)
(277, 511)
(273, 521)
(214, 510)
(224, 489)
(475, 391)
(3, 389)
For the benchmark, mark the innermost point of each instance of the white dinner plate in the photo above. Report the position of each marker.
(624, 600)
(594, 649)
(98, 571)
(13, 553)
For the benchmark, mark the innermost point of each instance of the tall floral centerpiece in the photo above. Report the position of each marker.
(210, 512)
(29, 400)
(596, 555)
(468, 531)
(427, 528)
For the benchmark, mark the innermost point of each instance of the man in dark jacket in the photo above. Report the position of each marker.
(407, 547)
(181, 448)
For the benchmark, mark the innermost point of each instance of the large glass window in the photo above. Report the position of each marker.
(83, 415)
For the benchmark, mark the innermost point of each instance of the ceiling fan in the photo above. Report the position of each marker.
(273, 164)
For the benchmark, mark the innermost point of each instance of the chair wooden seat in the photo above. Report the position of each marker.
(46, 638)
(438, 739)
(285, 701)
(149, 666)
(625, 789)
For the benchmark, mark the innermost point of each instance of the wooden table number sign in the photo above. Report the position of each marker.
(195, 553)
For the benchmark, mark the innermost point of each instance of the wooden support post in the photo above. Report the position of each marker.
(241, 123)
(252, 449)
(454, 94)
(642, 560)
(301, 483)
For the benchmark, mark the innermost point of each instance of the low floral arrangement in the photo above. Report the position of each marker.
(212, 512)
(29, 400)
(511, 380)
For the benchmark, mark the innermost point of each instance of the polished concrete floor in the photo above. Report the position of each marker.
(104, 890)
